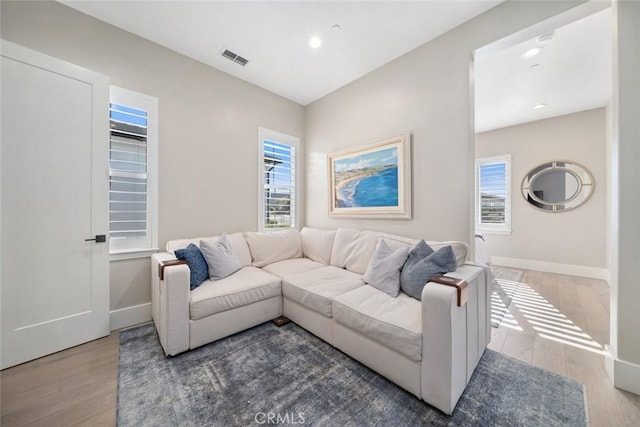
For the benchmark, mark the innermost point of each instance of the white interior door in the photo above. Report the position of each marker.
(54, 195)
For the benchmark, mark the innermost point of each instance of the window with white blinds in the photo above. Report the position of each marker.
(493, 194)
(278, 176)
(132, 166)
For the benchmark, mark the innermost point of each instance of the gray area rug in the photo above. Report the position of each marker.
(294, 377)
(505, 287)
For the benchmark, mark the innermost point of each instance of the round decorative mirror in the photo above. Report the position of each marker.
(557, 186)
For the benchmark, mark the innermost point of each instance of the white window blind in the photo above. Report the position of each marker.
(127, 172)
(132, 188)
(278, 180)
(493, 194)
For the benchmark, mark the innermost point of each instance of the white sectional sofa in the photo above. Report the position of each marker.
(315, 278)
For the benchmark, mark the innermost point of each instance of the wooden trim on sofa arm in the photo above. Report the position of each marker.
(460, 285)
(163, 264)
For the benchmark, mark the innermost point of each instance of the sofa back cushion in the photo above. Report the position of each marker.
(274, 246)
(174, 245)
(460, 249)
(352, 249)
(237, 241)
(317, 244)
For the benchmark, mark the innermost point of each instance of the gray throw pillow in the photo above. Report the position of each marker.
(220, 257)
(423, 264)
(383, 272)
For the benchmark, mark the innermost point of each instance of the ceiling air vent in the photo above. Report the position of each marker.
(235, 57)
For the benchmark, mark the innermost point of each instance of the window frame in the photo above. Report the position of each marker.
(265, 134)
(141, 247)
(504, 228)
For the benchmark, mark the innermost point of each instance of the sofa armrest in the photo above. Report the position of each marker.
(170, 302)
(453, 337)
(461, 286)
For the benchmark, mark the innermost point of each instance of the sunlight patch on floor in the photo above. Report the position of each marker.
(500, 313)
(548, 322)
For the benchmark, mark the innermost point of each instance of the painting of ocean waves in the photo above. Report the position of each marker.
(367, 180)
(372, 181)
(379, 188)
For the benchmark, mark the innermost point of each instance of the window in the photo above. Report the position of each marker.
(493, 194)
(133, 184)
(278, 180)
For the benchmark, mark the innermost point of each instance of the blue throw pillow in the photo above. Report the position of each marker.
(197, 264)
(423, 264)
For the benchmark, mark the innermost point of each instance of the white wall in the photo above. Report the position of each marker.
(427, 92)
(572, 238)
(624, 363)
(208, 125)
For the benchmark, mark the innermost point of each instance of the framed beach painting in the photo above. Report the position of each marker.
(372, 181)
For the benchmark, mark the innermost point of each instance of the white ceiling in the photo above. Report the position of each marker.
(274, 36)
(574, 74)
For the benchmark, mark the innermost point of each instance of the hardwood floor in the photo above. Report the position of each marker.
(556, 322)
(75, 387)
(561, 323)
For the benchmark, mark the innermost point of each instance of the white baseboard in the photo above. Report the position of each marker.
(129, 316)
(625, 375)
(552, 267)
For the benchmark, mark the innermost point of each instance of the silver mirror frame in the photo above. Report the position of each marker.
(586, 186)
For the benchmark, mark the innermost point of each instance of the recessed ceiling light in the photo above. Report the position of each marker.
(315, 42)
(539, 106)
(532, 52)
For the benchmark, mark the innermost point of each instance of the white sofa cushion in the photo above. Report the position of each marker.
(244, 287)
(173, 245)
(352, 249)
(240, 248)
(290, 267)
(460, 249)
(394, 322)
(237, 241)
(274, 246)
(315, 289)
(317, 244)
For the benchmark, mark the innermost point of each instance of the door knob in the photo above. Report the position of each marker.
(100, 238)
